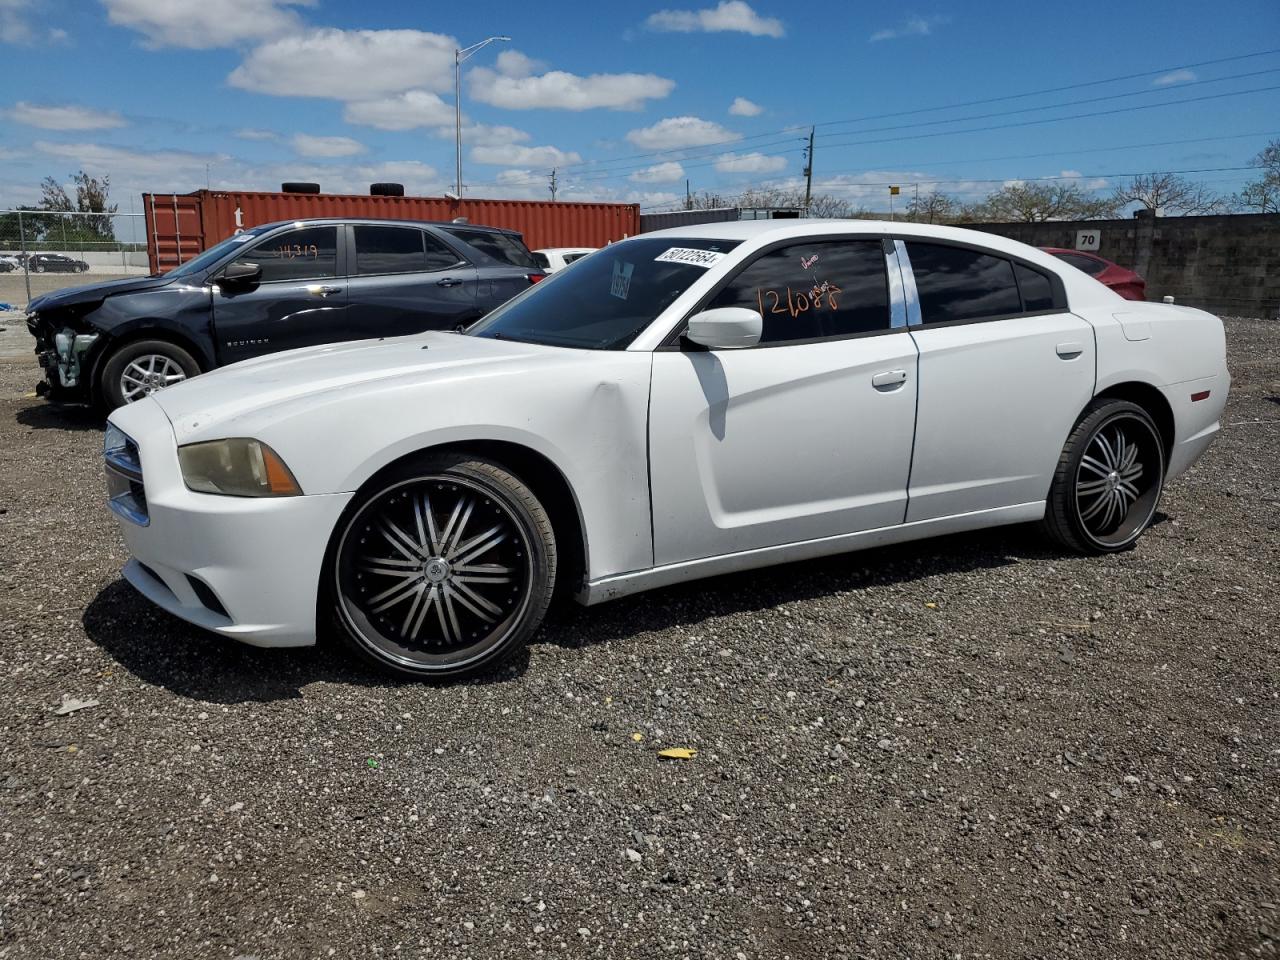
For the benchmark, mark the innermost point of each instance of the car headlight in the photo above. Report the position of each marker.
(236, 467)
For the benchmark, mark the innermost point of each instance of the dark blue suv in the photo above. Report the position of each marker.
(271, 288)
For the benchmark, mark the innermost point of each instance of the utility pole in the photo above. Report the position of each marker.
(808, 173)
(688, 197)
(915, 206)
(553, 184)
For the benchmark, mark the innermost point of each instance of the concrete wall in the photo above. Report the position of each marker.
(1229, 265)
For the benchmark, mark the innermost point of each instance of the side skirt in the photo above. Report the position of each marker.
(621, 585)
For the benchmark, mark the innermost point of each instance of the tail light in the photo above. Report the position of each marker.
(535, 277)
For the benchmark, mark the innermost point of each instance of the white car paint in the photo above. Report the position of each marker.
(681, 463)
(560, 257)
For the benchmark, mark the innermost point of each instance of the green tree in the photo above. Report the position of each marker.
(92, 196)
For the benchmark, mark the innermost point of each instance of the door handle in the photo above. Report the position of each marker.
(447, 282)
(1070, 349)
(889, 378)
(321, 290)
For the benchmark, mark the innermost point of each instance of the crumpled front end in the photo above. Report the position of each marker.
(63, 349)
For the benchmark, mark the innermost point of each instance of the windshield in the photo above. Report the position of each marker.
(216, 253)
(605, 301)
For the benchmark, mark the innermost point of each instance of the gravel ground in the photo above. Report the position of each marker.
(970, 747)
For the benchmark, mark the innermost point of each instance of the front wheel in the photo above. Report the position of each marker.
(444, 567)
(1108, 481)
(142, 368)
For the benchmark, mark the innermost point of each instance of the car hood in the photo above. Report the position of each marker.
(93, 292)
(221, 403)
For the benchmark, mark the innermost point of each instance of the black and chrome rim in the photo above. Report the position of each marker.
(434, 572)
(148, 373)
(1118, 480)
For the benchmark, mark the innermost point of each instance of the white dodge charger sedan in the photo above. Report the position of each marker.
(680, 404)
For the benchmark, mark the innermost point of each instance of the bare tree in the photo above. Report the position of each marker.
(1167, 194)
(934, 207)
(1037, 202)
(1263, 194)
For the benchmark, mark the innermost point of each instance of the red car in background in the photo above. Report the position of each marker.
(1124, 282)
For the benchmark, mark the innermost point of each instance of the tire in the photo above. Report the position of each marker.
(295, 186)
(141, 368)
(38, 268)
(1108, 481)
(393, 580)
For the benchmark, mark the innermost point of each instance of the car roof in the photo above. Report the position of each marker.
(378, 221)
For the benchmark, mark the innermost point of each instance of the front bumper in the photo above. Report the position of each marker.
(247, 568)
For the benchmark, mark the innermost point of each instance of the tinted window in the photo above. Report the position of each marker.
(570, 257)
(304, 254)
(1087, 264)
(1037, 291)
(502, 247)
(607, 299)
(812, 290)
(955, 283)
(439, 254)
(389, 250)
(541, 260)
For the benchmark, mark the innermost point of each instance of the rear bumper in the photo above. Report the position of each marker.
(1196, 422)
(246, 568)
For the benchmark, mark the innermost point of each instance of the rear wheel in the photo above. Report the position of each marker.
(1109, 479)
(142, 368)
(443, 568)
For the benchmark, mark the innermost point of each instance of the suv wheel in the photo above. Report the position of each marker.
(142, 368)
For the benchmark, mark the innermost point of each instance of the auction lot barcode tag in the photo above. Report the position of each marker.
(696, 258)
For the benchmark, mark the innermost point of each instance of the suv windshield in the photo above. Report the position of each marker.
(216, 252)
(605, 301)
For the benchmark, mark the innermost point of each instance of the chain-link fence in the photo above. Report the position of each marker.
(42, 251)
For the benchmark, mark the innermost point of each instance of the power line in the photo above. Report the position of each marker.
(1074, 116)
(796, 128)
(601, 175)
(1055, 106)
(1070, 86)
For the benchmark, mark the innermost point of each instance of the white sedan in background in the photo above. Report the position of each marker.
(552, 259)
(685, 403)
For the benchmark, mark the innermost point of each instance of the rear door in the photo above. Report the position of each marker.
(300, 300)
(505, 268)
(1005, 370)
(405, 280)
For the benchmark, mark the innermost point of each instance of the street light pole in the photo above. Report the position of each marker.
(459, 57)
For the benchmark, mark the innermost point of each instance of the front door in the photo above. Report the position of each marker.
(806, 435)
(1005, 370)
(299, 301)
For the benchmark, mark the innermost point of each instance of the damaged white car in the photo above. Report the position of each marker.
(680, 404)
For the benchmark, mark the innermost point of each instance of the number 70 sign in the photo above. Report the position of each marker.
(1088, 239)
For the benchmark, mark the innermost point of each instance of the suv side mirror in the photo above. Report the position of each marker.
(725, 328)
(240, 274)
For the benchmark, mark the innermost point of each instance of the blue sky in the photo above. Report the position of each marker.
(629, 100)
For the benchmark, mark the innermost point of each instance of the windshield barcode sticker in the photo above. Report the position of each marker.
(695, 258)
(621, 285)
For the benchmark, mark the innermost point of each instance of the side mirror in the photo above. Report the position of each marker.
(240, 274)
(725, 328)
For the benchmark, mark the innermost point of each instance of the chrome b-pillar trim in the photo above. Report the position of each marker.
(908, 284)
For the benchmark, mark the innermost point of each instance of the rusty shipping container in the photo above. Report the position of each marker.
(179, 226)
